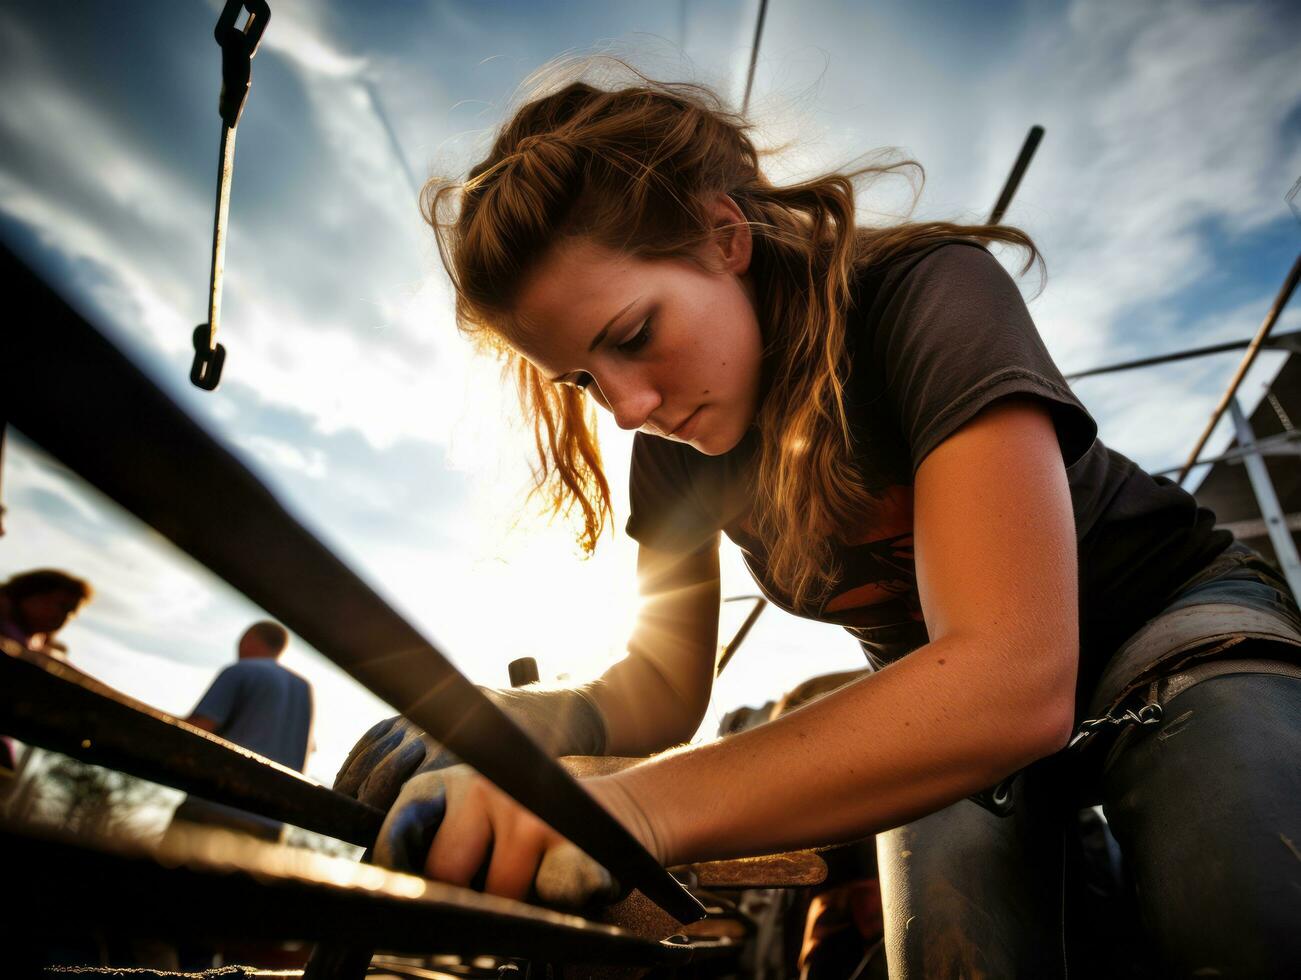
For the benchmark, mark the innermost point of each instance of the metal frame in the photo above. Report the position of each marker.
(1266, 499)
(1253, 348)
(1249, 451)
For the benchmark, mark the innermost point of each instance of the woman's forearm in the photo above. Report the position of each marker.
(948, 720)
(644, 713)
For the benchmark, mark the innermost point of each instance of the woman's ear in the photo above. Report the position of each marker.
(732, 243)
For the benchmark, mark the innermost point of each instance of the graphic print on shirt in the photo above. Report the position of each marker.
(878, 583)
(877, 565)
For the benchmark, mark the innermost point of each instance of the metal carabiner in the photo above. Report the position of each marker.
(1149, 713)
(237, 49)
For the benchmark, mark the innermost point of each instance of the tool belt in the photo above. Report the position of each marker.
(1197, 636)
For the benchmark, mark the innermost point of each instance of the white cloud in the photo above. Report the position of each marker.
(1165, 129)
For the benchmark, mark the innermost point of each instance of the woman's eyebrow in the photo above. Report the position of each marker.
(596, 341)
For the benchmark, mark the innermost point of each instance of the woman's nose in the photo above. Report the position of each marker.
(630, 400)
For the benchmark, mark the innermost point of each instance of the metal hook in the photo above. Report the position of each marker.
(205, 372)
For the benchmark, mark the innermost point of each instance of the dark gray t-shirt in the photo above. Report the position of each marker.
(264, 707)
(934, 337)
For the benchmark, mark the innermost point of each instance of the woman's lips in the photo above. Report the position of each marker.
(688, 426)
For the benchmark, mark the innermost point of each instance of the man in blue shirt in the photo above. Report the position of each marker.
(261, 705)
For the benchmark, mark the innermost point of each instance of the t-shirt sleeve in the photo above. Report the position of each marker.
(954, 337)
(218, 703)
(666, 509)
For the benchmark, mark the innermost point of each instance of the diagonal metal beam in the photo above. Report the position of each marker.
(1019, 168)
(1249, 358)
(49, 705)
(73, 393)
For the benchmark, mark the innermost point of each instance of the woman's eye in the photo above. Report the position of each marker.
(637, 341)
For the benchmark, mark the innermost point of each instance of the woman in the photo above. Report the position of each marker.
(870, 415)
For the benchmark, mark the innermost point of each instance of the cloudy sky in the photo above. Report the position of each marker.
(1173, 135)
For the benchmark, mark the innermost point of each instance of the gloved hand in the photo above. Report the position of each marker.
(563, 722)
(453, 825)
(390, 753)
(397, 767)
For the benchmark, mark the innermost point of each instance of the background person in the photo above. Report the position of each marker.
(35, 605)
(260, 704)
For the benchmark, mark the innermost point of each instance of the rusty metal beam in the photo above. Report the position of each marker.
(49, 705)
(212, 885)
(73, 393)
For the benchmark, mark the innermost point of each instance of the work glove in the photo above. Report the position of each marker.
(397, 767)
(563, 722)
(481, 816)
(389, 754)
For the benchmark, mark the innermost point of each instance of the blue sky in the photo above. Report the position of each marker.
(1173, 133)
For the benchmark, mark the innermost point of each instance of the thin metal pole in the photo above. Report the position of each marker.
(1019, 168)
(760, 604)
(1280, 301)
(1283, 444)
(1275, 522)
(1287, 340)
(754, 55)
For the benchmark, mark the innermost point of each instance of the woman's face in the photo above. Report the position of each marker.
(665, 345)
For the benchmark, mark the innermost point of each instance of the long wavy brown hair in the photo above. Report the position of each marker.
(630, 168)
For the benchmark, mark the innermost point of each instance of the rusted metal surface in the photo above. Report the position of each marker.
(793, 869)
(79, 398)
(47, 704)
(210, 885)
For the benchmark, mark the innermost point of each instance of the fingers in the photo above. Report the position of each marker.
(570, 878)
(383, 783)
(462, 842)
(409, 828)
(369, 750)
(411, 834)
(516, 854)
(373, 733)
(453, 822)
(437, 757)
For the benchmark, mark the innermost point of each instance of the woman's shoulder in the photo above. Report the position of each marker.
(923, 260)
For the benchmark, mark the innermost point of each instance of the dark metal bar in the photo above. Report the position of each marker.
(1283, 444)
(760, 604)
(73, 393)
(754, 55)
(1253, 348)
(3, 428)
(1019, 168)
(1289, 340)
(49, 705)
(214, 886)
